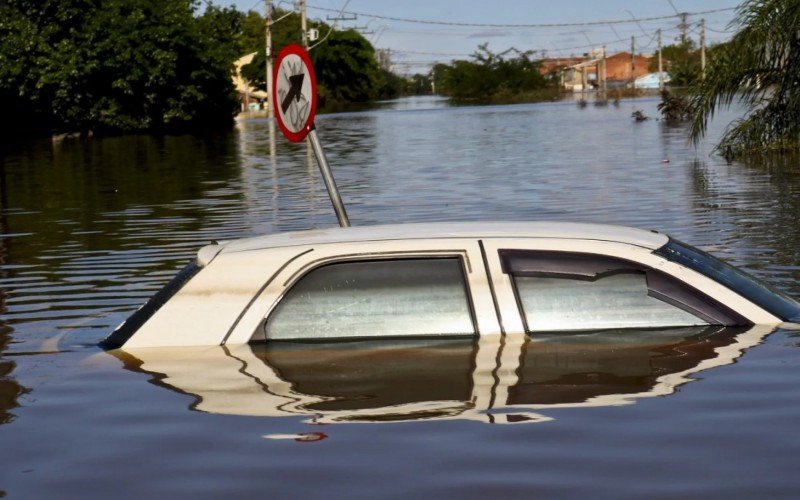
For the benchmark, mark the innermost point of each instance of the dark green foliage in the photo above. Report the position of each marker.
(674, 107)
(759, 67)
(490, 77)
(345, 63)
(681, 61)
(112, 66)
(347, 68)
(419, 85)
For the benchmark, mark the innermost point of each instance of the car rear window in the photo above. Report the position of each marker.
(380, 298)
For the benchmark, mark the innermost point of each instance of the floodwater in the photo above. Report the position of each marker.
(90, 229)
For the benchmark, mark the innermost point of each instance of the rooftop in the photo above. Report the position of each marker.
(568, 230)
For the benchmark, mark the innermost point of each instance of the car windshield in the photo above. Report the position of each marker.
(737, 280)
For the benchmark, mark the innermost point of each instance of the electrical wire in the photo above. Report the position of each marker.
(533, 25)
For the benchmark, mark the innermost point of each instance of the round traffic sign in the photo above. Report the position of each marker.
(295, 92)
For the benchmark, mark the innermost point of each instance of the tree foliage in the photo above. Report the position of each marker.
(760, 67)
(115, 65)
(674, 107)
(681, 61)
(489, 76)
(345, 63)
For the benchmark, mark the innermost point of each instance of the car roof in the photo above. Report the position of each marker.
(440, 230)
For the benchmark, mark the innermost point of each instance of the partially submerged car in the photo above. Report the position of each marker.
(447, 279)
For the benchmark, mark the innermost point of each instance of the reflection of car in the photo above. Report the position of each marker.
(483, 379)
(447, 279)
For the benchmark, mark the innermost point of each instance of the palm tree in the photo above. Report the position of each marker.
(761, 67)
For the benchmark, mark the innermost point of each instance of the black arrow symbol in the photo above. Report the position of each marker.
(296, 82)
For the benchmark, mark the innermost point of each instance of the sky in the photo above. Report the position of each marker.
(416, 46)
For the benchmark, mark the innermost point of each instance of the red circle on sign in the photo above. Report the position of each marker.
(294, 134)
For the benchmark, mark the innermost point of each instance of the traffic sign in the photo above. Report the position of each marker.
(295, 97)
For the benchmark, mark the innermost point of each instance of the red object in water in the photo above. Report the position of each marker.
(311, 436)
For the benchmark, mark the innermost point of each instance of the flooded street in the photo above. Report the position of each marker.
(90, 229)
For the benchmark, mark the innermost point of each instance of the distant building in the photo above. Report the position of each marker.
(650, 80)
(587, 72)
(618, 66)
(250, 99)
(548, 65)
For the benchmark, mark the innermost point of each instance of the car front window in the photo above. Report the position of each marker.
(570, 291)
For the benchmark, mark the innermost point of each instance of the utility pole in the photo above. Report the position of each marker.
(268, 36)
(633, 62)
(684, 25)
(605, 75)
(703, 48)
(660, 64)
(303, 24)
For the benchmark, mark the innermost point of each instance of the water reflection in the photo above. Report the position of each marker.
(751, 208)
(10, 389)
(90, 229)
(493, 379)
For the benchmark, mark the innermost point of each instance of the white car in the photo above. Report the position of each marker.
(447, 279)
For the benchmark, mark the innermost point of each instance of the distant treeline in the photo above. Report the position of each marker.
(509, 76)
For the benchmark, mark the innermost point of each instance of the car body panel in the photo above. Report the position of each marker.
(241, 281)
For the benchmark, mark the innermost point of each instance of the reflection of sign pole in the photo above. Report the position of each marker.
(295, 104)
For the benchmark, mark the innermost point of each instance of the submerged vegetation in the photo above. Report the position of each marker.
(510, 76)
(675, 107)
(759, 67)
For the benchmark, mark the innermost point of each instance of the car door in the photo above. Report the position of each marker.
(377, 289)
(559, 284)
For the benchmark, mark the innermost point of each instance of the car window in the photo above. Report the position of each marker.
(618, 301)
(403, 297)
(564, 291)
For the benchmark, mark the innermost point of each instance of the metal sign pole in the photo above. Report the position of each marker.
(295, 103)
(327, 176)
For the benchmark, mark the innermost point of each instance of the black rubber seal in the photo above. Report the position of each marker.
(131, 325)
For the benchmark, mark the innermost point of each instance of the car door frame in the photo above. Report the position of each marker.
(509, 310)
(307, 259)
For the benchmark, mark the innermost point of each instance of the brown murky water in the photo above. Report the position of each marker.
(89, 230)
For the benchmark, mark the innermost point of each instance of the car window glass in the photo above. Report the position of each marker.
(404, 297)
(615, 301)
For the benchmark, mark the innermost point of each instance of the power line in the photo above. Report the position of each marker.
(429, 53)
(726, 32)
(535, 25)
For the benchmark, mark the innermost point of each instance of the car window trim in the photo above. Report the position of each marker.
(460, 255)
(706, 307)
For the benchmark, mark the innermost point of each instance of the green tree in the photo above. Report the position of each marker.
(490, 77)
(345, 63)
(681, 61)
(116, 65)
(759, 67)
(419, 84)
